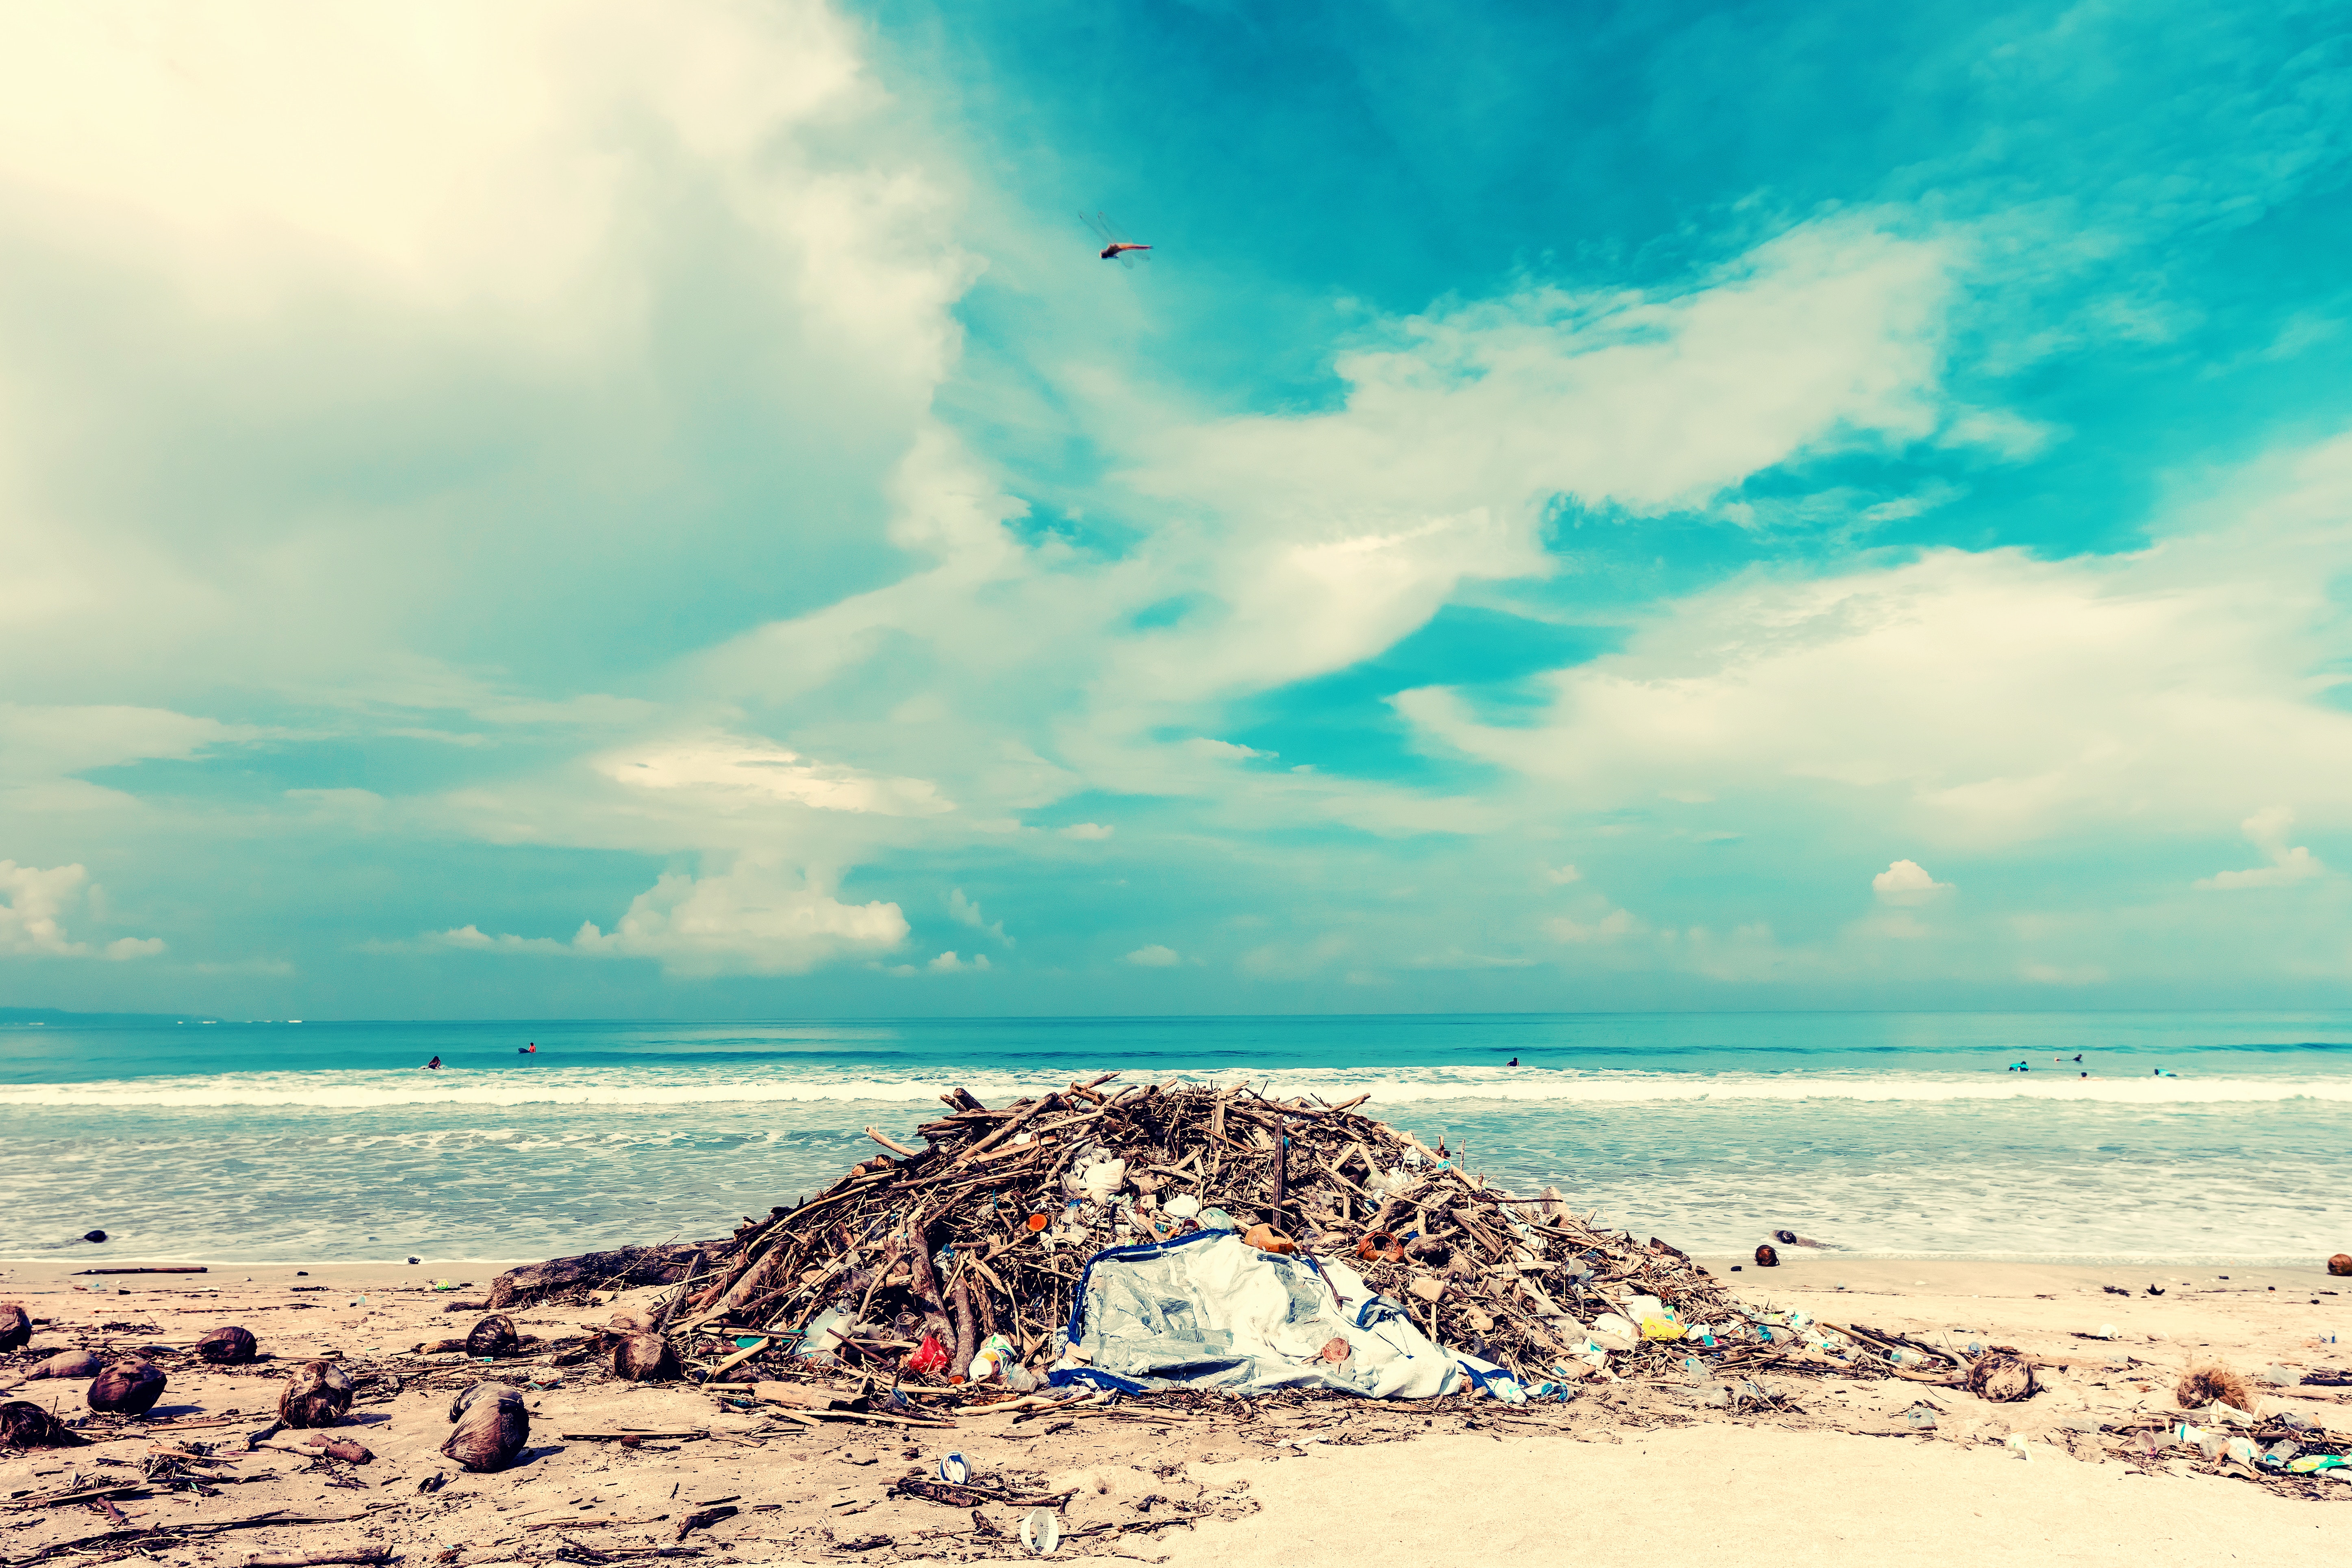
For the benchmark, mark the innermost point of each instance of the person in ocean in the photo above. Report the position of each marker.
(433, 1066)
(530, 1051)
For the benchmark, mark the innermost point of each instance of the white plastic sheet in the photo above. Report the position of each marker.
(1207, 1310)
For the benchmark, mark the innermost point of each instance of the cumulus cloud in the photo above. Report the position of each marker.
(949, 963)
(727, 766)
(756, 918)
(966, 912)
(1984, 696)
(1087, 830)
(2267, 830)
(1155, 956)
(1906, 883)
(1616, 925)
(38, 902)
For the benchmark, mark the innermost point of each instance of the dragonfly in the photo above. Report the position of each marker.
(1126, 252)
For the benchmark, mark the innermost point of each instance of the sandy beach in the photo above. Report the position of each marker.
(1833, 1473)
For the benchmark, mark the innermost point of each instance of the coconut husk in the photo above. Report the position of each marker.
(127, 1387)
(1766, 1257)
(492, 1427)
(2002, 1378)
(68, 1363)
(319, 1393)
(645, 1358)
(228, 1346)
(493, 1336)
(27, 1426)
(15, 1327)
(2209, 1381)
(2340, 1265)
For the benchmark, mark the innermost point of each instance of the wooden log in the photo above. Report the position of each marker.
(967, 1343)
(151, 1269)
(896, 1147)
(316, 1559)
(622, 1268)
(1281, 1166)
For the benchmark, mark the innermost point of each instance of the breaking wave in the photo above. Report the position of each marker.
(652, 1089)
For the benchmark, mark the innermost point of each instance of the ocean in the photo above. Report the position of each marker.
(2196, 1137)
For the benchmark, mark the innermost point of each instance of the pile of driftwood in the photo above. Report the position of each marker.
(985, 1230)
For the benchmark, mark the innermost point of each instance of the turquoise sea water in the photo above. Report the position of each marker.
(1889, 1133)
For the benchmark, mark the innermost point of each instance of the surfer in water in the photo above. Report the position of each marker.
(433, 1066)
(530, 1051)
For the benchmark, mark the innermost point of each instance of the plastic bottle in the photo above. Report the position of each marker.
(824, 1335)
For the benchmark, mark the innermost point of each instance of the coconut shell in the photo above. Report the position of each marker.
(127, 1387)
(27, 1426)
(229, 1346)
(68, 1363)
(1766, 1257)
(493, 1425)
(2340, 1265)
(2002, 1378)
(15, 1328)
(493, 1336)
(318, 1395)
(645, 1358)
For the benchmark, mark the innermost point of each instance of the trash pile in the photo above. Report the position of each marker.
(962, 1261)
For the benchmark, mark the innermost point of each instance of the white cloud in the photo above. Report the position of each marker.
(1906, 883)
(756, 918)
(1980, 698)
(949, 963)
(2062, 973)
(1454, 958)
(1224, 750)
(38, 903)
(2266, 830)
(1310, 541)
(1614, 926)
(733, 765)
(1560, 876)
(966, 912)
(1087, 830)
(1155, 956)
(472, 246)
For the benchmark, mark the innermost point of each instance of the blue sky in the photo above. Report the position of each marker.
(595, 509)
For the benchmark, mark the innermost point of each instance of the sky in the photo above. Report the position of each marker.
(612, 510)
